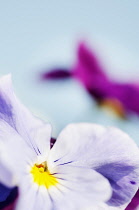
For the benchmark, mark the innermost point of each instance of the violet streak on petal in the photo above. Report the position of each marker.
(6, 111)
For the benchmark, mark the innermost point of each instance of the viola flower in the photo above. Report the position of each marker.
(106, 91)
(88, 165)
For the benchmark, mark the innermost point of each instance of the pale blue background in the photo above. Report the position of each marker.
(37, 34)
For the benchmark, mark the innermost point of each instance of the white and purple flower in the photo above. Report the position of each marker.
(88, 166)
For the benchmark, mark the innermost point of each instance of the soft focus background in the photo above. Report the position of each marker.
(36, 35)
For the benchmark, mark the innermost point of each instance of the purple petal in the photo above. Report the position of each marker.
(124, 92)
(9, 203)
(123, 180)
(59, 73)
(90, 72)
(4, 192)
(121, 92)
(88, 69)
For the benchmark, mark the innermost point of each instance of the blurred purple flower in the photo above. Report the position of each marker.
(90, 73)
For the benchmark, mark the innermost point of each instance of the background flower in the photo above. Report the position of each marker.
(90, 73)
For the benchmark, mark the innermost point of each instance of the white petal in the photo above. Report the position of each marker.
(6, 174)
(32, 197)
(80, 187)
(108, 150)
(15, 155)
(36, 133)
(91, 144)
(104, 206)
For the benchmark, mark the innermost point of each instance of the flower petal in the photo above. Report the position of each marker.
(32, 196)
(54, 74)
(9, 203)
(36, 133)
(15, 155)
(88, 68)
(4, 192)
(104, 206)
(106, 149)
(124, 181)
(81, 187)
(134, 204)
(6, 174)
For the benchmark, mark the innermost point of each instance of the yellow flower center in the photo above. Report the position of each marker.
(42, 176)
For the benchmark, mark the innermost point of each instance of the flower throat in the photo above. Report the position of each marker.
(42, 176)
